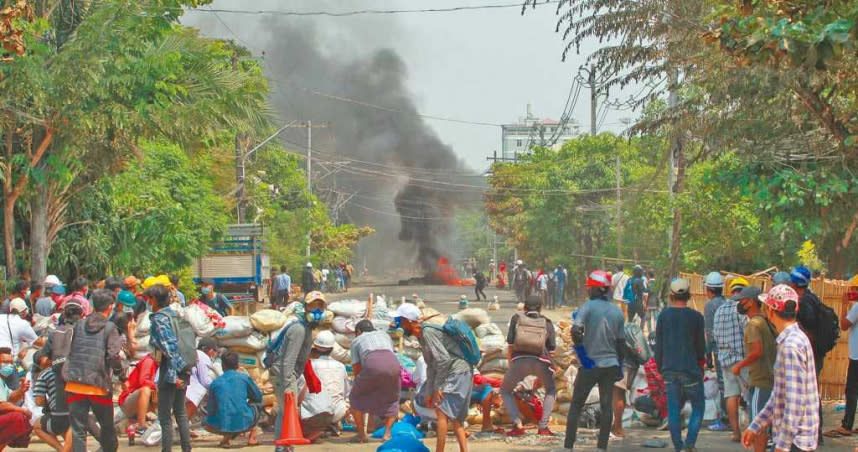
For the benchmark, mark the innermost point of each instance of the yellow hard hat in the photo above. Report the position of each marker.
(149, 282)
(737, 283)
(163, 280)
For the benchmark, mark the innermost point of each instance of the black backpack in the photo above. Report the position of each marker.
(826, 331)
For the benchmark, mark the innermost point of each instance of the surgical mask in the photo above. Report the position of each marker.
(6, 370)
(206, 290)
(315, 316)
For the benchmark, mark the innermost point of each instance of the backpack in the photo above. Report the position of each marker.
(530, 335)
(637, 344)
(826, 332)
(629, 291)
(186, 338)
(272, 352)
(462, 334)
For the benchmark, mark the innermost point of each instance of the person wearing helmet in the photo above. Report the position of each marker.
(729, 331)
(328, 407)
(713, 283)
(781, 278)
(809, 314)
(680, 348)
(308, 280)
(604, 342)
(287, 360)
(377, 383)
(736, 284)
(795, 425)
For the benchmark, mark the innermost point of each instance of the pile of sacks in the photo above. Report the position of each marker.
(346, 314)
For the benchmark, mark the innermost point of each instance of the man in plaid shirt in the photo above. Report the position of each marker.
(729, 334)
(792, 409)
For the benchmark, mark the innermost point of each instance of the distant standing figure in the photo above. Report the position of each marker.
(281, 285)
(308, 280)
(480, 280)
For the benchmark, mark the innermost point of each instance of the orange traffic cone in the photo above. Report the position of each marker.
(290, 432)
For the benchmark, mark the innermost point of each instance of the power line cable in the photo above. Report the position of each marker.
(363, 12)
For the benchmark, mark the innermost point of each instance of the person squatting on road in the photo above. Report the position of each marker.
(377, 382)
(598, 326)
(680, 354)
(233, 405)
(532, 341)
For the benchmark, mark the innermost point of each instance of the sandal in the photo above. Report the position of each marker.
(836, 433)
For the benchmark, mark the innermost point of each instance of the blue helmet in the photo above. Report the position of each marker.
(800, 276)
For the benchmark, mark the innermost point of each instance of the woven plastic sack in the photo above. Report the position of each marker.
(473, 316)
(251, 343)
(199, 321)
(348, 308)
(489, 329)
(267, 320)
(234, 326)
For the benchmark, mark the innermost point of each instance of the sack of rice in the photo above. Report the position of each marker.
(492, 343)
(251, 343)
(499, 365)
(345, 340)
(200, 322)
(267, 320)
(489, 329)
(343, 325)
(348, 308)
(473, 316)
(234, 326)
(341, 354)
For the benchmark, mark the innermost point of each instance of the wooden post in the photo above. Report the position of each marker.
(369, 304)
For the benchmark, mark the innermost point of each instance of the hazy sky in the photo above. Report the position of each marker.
(482, 65)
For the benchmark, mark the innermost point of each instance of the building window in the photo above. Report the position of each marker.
(518, 143)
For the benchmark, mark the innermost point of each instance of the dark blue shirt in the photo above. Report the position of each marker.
(230, 396)
(679, 342)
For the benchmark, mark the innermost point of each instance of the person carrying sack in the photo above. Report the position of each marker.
(531, 340)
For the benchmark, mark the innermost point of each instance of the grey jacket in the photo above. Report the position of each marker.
(94, 353)
(289, 365)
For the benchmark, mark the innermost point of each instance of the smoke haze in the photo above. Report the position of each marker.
(390, 163)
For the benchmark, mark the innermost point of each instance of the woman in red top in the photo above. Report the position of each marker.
(137, 395)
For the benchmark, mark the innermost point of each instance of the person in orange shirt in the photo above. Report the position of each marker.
(91, 363)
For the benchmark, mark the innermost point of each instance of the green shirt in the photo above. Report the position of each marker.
(762, 370)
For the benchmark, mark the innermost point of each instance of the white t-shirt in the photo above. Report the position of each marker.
(618, 282)
(15, 331)
(543, 281)
(852, 316)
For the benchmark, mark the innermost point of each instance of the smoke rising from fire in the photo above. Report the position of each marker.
(393, 192)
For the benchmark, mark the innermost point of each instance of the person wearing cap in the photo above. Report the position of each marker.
(321, 411)
(729, 331)
(234, 404)
(377, 382)
(524, 364)
(46, 304)
(21, 290)
(713, 284)
(287, 365)
(308, 279)
(760, 352)
(792, 410)
(680, 348)
(215, 300)
(15, 331)
(449, 378)
(605, 342)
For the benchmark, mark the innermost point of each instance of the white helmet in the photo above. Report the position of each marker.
(714, 280)
(325, 339)
(52, 280)
(309, 265)
(519, 262)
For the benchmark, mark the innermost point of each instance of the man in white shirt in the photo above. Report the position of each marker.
(618, 283)
(321, 411)
(14, 330)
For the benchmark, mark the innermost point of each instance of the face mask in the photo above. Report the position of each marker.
(206, 290)
(6, 370)
(315, 316)
(741, 308)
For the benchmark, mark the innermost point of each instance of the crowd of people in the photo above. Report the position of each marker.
(767, 350)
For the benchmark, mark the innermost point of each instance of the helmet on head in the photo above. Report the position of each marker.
(679, 286)
(800, 276)
(598, 278)
(714, 280)
(737, 283)
(780, 278)
(519, 262)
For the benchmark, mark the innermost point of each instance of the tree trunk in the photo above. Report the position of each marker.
(9, 237)
(39, 233)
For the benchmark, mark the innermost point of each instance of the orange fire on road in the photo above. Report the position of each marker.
(448, 276)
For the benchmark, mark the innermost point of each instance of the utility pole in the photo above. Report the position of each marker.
(594, 100)
(309, 175)
(239, 161)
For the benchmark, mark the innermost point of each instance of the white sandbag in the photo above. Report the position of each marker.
(432, 316)
(234, 326)
(380, 324)
(492, 343)
(267, 320)
(344, 340)
(254, 341)
(380, 311)
(498, 365)
(473, 316)
(348, 308)
(343, 325)
(341, 354)
(143, 325)
(199, 320)
(489, 329)
(43, 324)
(152, 435)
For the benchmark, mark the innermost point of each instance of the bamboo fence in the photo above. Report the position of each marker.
(832, 381)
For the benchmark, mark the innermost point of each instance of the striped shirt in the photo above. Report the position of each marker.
(46, 386)
(729, 331)
(793, 408)
(369, 342)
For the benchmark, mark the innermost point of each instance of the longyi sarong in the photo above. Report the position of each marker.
(376, 388)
